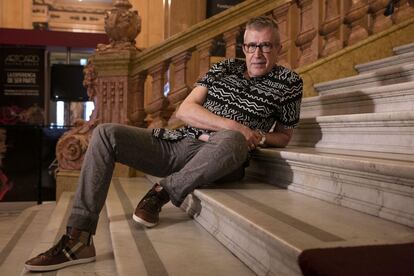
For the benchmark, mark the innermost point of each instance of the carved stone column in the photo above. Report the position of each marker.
(403, 10)
(330, 28)
(158, 105)
(204, 49)
(281, 16)
(380, 22)
(354, 18)
(230, 38)
(110, 84)
(307, 33)
(179, 89)
(135, 105)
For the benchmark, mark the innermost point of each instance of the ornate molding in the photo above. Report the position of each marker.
(71, 148)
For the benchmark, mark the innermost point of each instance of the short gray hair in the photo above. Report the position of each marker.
(261, 22)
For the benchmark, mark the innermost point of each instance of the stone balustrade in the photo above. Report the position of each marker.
(145, 88)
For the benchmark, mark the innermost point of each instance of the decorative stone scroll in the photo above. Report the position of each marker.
(71, 148)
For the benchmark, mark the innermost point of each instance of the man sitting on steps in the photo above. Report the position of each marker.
(235, 108)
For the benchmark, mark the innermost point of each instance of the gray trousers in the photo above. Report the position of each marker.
(184, 165)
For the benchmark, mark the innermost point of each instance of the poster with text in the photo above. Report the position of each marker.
(22, 85)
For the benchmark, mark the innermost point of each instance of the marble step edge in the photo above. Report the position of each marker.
(393, 97)
(404, 117)
(399, 59)
(376, 186)
(261, 251)
(267, 228)
(379, 132)
(384, 76)
(395, 166)
(404, 49)
(145, 245)
(122, 238)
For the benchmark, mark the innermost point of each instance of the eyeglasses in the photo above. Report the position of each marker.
(264, 47)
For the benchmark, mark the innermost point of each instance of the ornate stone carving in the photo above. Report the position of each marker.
(329, 28)
(71, 148)
(353, 19)
(122, 26)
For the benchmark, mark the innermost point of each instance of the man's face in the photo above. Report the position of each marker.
(260, 63)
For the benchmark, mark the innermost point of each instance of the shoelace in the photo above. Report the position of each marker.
(151, 203)
(58, 247)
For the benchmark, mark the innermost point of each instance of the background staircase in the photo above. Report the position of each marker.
(346, 179)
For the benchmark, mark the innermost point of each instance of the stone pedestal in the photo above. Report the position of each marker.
(67, 180)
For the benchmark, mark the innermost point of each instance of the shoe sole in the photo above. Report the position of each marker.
(58, 266)
(143, 222)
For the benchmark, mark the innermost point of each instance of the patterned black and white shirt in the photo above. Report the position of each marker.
(258, 102)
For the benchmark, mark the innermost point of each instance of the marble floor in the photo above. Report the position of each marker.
(178, 246)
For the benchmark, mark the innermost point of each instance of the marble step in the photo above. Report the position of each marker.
(387, 98)
(176, 246)
(400, 59)
(391, 132)
(380, 184)
(56, 226)
(268, 227)
(17, 236)
(404, 49)
(385, 76)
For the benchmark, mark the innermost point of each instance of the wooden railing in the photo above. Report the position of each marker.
(129, 85)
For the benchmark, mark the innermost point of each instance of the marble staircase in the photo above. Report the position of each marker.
(347, 179)
(355, 142)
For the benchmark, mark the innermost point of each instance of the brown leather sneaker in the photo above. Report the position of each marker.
(70, 250)
(148, 209)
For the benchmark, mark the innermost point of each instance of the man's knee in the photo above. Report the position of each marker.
(104, 131)
(233, 141)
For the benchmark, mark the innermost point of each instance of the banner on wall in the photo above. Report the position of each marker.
(22, 85)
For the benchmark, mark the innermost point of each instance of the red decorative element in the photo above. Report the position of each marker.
(51, 38)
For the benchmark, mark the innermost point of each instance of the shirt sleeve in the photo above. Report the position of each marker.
(289, 110)
(215, 72)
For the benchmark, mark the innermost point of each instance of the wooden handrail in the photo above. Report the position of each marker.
(207, 29)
